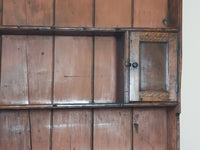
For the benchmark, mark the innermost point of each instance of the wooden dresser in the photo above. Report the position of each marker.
(90, 74)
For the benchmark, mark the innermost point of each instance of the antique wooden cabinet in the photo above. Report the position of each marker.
(90, 74)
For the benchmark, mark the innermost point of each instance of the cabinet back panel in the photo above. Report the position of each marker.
(73, 69)
(150, 13)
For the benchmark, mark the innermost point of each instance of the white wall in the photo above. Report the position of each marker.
(190, 117)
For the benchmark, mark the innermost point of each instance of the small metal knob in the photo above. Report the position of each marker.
(135, 65)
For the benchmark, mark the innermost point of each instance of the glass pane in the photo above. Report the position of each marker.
(153, 66)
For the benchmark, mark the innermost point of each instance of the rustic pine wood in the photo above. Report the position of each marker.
(93, 44)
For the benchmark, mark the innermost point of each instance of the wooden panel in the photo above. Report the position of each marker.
(112, 129)
(173, 13)
(39, 12)
(14, 88)
(72, 130)
(153, 66)
(173, 66)
(39, 51)
(73, 69)
(105, 71)
(15, 130)
(154, 95)
(134, 72)
(40, 129)
(172, 141)
(150, 13)
(109, 13)
(14, 12)
(74, 13)
(150, 129)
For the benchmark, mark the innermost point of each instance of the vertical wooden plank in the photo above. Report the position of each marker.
(14, 89)
(150, 13)
(39, 12)
(74, 13)
(150, 129)
(173, 85)
(40, 129)
(173, 13)
(105, 71)
(171, 125)
(72, 130)
(112, 129)
(73, 69)
(109, 13)
(127, 68)
(134, 72)
(1, 11)
(39, 52)
(14, 12)
(15, 130)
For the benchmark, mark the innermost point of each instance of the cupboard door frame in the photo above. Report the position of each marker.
(171, 67)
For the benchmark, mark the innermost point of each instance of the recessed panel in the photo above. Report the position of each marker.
(153, 66)
(72, 130)
(40, 65)
(73, 69)
(14, 130)
(109, 13)
(14, 85)
(112, 129)
(150, 13)
(105, 70)
(150, 129)
(74, 13)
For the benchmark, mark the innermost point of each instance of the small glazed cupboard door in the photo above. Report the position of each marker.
(153, 66)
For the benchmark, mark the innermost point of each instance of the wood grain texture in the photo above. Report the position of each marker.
(112, 129)
(73, 69)
(40, 129)
(105, 70)
(153, 66)
(74, 13)
(14, 12)
(150, 13)
(72, 130)
(154, 95)
(39, 12)
(39, 52)
(134, 72)
(127, 68)
(14, 87)
(173, 66)
(15, 130)
(173, 13)
(109, 13)
(172, 127)
(28, 12)
(150, 129)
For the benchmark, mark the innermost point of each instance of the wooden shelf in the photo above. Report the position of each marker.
(70, 106)
(52, 30)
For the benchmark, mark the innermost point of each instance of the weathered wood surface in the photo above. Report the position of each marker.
(72, 129)
(14, 85)
(15, 130)
(109, 13)
(150, 129)
(112, 129)
(74, 13)
(28, 12)
(105, 70)
(150, 13)
(73, 70)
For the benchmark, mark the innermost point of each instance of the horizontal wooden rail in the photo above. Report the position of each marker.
(68, 106)
(51, 30)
